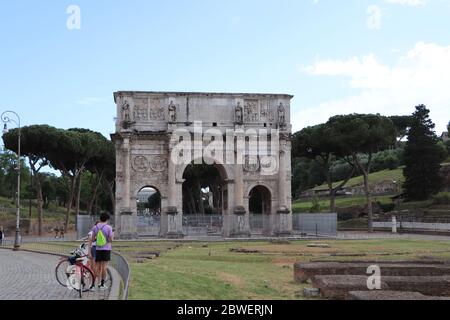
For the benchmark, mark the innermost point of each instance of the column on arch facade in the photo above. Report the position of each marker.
(127, 220)
(172, 216)
(240, 220)
(283, 225)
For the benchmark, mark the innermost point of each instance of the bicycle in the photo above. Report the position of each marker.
(75, 273)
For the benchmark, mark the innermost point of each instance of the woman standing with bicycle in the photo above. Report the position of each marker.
(104, 236)
(92, 249)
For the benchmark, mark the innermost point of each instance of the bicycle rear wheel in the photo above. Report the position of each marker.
(61, 272)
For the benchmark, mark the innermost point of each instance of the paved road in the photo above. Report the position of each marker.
(30, 276)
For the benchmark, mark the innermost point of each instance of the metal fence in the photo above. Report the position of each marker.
(149, 225)
(256, 223)
(319, 224)
(85, 224)
(202, 225)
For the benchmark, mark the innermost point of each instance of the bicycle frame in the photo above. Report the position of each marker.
(80, 270)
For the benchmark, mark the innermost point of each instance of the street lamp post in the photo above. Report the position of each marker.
(6, 119)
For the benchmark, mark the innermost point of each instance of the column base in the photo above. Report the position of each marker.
(127, 228)
(172, 210)
(242, 234)
(283, 211)
(239, 210)
(284, 234)
(128, 236)
(174, 235)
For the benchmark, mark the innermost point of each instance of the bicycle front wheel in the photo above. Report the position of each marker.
(88, 281)
(61, 272)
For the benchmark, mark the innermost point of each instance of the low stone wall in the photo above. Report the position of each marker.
(414, 225)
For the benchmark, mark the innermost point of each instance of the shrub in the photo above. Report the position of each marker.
(442, 198)
(344, 216)
(316, 205)
(387, 207)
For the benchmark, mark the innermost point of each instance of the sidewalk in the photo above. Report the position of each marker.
(31, 276)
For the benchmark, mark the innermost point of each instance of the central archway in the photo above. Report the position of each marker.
(205, 199)
(260, 208)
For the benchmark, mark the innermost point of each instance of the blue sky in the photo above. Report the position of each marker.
(335, 56)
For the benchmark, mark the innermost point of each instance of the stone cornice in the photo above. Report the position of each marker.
(138, 135)
(162, 94)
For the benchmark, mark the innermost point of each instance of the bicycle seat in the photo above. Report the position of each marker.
(80, 259)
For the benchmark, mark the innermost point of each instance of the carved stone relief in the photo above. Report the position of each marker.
(266, 112)
(141, 113)
(158, 164)
(251, 164)
(140, 164)
(156, 110)
(251, 112)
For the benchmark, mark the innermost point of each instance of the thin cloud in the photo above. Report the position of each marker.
(420, 75)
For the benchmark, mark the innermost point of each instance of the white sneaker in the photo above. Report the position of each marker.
(103, 287)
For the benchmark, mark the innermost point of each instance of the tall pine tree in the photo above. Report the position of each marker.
(422, 158)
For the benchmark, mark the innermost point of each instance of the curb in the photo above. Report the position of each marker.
(114, 293)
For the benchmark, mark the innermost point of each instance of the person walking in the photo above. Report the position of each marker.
(61, 232)
(104, 236)
(2, 235)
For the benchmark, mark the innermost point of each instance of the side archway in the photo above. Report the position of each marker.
(148, 207)
(260, 209)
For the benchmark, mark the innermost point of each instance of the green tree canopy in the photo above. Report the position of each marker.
(362, 135)
(402, 125)
(423, 157)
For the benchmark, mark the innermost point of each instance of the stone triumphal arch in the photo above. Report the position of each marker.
(148, 139)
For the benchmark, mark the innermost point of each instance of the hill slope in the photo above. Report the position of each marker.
(374, 178)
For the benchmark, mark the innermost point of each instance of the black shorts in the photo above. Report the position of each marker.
(103, 256)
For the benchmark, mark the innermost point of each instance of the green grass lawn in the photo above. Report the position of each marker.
(374, 178)
(303, 206)
(202, 271)
(195, 272)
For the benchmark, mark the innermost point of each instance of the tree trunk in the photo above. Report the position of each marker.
(369, 200)
(333, 200)
(112, 196)
(93, 199)
(78, 195)
(331, 190)
(201, 206)
(192, 202)
(72, 188)
(40, 202)
(39, 197)
(366, 172)
(335, 190)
